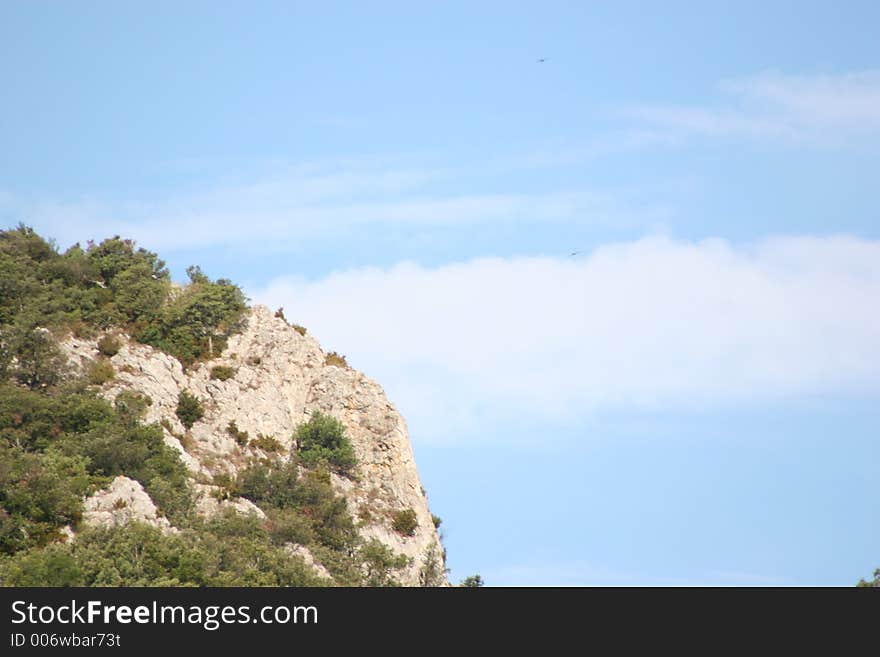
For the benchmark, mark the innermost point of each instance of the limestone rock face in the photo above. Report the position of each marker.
(280, 378)
(124, 501)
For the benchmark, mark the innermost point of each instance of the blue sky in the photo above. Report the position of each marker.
(691, 399)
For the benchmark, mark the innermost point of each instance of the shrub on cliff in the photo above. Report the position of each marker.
(189, 409)
(109, 345)
(100, 371)
(222, 372)
(404, 522)
(322, 440)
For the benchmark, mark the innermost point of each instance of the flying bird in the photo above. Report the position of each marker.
(541, 60)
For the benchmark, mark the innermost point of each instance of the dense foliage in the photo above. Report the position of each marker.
(58, 445)
(230, 550)
(197, 321)
(111, 284)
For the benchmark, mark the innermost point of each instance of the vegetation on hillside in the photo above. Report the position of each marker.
(228, 550)
(60, 444)
(60, 441)
(44, 292)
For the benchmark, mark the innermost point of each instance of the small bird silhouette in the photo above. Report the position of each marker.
(541, 60)
(574, 253)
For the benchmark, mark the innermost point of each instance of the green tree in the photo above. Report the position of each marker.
(198, 321)
(39, 361)
(136, 279)
(472, 581)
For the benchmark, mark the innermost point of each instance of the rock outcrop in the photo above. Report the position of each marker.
(123, 501)
(280, 377)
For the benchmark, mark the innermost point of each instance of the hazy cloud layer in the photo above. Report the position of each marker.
(282, 206)
(651, 324)
(827, 109)
(312, 205)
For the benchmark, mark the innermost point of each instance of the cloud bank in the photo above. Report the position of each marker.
(654, 324)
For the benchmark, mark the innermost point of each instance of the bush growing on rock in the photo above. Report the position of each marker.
(335, 359)
(222, 372)
(322, 440)
(405, 522)
(189, 409)
(240, 437)
(100, 371)
(109, 345)
(433, 567)
(267, 444)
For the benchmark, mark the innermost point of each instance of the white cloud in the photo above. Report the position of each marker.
(651, 324)
(711, 122)
(827, 109)
(850, 99)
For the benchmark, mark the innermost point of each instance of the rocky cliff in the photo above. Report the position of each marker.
(279, 377)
